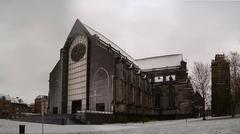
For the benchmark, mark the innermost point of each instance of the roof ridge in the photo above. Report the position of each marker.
(109, 41)
(153, 57)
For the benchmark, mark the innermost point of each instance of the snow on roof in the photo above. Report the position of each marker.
(145, 63)
(17, 100)
(6, 97)
(106, 40)
(160, 61)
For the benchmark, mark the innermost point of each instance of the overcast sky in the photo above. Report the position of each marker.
(33, 31)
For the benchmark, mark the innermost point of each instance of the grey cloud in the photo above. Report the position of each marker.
(32, 33)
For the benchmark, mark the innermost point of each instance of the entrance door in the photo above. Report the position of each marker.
(100, 107)
(76, 106)
(55, 110)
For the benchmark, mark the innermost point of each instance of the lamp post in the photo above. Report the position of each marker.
(42, 118)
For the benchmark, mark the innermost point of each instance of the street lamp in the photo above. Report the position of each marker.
(42, 118)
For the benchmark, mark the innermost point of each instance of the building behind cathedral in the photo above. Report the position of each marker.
(12, 107)
(221, 91)
(98, 81)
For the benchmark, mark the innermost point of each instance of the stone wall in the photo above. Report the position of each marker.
(101, 74)
(55, 90)
(221, 93)
(172, 98)
(133, 92)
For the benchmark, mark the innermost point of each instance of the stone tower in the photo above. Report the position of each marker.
(221, 92)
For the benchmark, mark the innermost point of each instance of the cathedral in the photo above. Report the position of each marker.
(97, 81)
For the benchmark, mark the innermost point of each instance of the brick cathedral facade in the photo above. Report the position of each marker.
(99, 82)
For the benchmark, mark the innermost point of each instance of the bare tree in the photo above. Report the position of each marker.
(201, 82)
(234, 59)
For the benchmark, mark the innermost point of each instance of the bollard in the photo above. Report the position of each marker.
(21, 129)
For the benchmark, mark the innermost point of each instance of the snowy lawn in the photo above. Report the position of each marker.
(222, 125)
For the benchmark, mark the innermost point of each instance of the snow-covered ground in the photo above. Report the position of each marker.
(223, 125)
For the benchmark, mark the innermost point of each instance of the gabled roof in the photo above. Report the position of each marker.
(80, 27)
(158, 62)
(107, 41)
(77, 28)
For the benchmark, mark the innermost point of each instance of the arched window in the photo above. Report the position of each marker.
(171, 96)
(100, 93)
